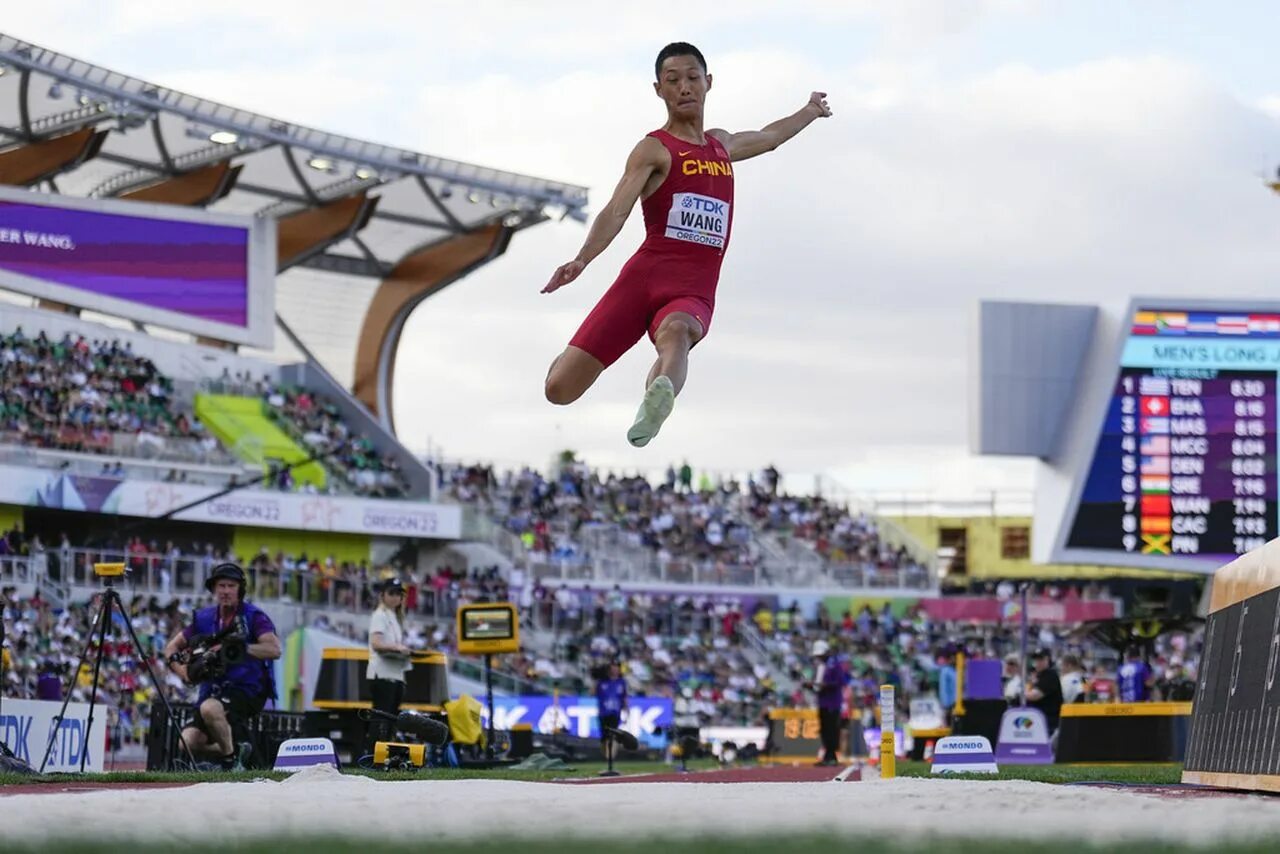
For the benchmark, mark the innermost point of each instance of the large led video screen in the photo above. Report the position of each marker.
(188, 269)
(1185, 463)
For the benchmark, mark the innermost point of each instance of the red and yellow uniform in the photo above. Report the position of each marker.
(687, 224)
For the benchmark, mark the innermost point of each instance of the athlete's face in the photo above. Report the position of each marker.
(683, 86)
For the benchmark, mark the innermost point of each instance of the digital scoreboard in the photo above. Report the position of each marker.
(1185, 462)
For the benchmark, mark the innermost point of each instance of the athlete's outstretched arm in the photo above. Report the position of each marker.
(645, 159)
(752, 142)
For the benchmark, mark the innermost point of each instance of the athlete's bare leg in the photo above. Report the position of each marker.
(677, 333)
(674, 337)
(571, 374)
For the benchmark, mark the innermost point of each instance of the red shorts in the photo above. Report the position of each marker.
(646, 291)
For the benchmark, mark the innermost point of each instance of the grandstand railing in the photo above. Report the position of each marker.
(17, 570)
(844, 576)
(77, 462)
(184, 576)
(142, 445)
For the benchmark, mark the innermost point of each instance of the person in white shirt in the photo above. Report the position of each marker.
(388, 658)
(1072, 679)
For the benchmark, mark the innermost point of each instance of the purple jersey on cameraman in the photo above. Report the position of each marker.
(1133, 682)
(611, 696)
(831, 686)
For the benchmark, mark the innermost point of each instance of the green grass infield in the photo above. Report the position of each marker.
(1132, 774)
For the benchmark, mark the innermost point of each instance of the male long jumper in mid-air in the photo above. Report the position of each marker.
(683, 177)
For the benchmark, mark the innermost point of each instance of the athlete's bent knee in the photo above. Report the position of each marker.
(676, 331)
(560, 392)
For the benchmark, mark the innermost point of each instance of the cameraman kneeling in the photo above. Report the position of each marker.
(225, 650)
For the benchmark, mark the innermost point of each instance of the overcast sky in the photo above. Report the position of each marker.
(1054, 151)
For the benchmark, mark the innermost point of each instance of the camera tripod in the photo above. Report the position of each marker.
(110, 600)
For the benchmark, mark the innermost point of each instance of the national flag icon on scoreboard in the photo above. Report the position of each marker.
(1264, 323)
(1156, 505)
(1154, 465)
(1154, 425)
(1233, 324)
(1144, 323)
(1171, 323)
(1153, 385)
(1202, 323)
(1154, 485)
(1154, 446)
(1155, 406)
(1156, 544)
(1157, 525)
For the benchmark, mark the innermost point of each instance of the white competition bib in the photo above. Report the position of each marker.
(698, 219)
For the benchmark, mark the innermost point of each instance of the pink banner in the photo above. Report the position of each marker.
(983, 609)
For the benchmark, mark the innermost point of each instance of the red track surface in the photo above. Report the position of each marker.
(96, 786)
(756, 774)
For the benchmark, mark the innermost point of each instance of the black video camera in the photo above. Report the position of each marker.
(208, 656)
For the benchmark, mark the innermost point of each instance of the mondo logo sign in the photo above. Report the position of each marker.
(298, 753)
(964, 754)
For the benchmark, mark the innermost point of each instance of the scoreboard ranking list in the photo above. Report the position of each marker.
(1185, 464)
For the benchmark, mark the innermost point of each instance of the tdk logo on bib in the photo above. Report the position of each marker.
(698, 219)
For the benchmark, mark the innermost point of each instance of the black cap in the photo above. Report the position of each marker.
(393, 585)
(225, 570)
(1042, 653)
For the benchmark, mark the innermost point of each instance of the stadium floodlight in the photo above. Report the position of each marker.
(322, 164)
(224, 137)
(364, 173)
(446, 191)
(473, 197)
(55, 91)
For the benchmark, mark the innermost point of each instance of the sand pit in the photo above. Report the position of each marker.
(328, 804)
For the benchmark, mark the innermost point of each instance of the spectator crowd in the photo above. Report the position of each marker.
(98, 396)
(77, 394)
(711, 532)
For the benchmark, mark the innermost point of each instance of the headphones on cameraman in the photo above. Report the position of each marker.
(227, 570)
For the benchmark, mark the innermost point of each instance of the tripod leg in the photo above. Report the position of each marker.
(71, 683)
(155, 683)
(103, 621)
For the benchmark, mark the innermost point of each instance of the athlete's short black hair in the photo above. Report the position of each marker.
(677, 49)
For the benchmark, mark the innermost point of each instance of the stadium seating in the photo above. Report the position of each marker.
(584, 524)
(93, 397)
(243, 425)
(84, 390)
(317, 423)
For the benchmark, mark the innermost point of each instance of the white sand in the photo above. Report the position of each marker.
(316, 803)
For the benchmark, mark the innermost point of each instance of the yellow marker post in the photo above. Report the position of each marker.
(888, 746)
(957, 710)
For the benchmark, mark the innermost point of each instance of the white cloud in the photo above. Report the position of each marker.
(859, 250)
(861, 247)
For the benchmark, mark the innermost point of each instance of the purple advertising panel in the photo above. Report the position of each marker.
(189, 269)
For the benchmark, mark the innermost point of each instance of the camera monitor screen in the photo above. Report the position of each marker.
(492, 627)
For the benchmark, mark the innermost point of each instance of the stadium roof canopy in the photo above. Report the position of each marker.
(344, 207)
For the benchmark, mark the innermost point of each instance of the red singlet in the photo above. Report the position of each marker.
(687, 222)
